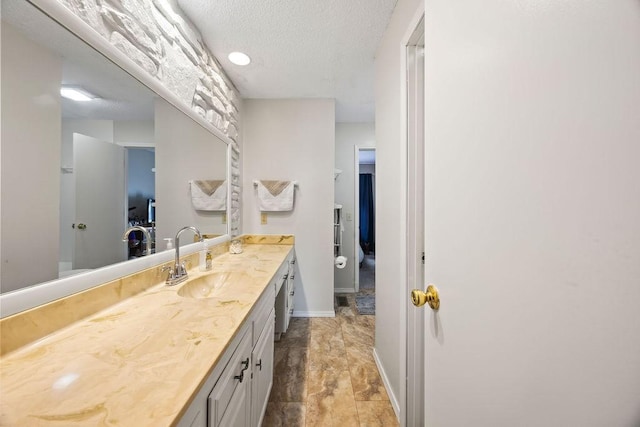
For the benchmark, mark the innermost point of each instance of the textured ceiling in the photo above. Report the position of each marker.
(298, 48)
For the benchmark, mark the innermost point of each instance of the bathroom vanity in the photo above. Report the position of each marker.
(168, 355)
(237, 392)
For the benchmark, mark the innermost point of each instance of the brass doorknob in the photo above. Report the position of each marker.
(431, 296)
(82, 226)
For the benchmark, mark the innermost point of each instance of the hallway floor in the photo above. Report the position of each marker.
(325, 374)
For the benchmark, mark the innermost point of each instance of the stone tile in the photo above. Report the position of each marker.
(365, 378)
(284, 414)
(289, 379)
(360, 354)
(342, 386)
(298, 334)
(367, 383)
(324, 324)
(358, 330)
(330, 400)
(328, 355)
(376, 414)
(345, 311)
(326, 347)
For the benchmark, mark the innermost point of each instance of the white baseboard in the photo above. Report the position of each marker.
(314, 314)
(344, 291)
(385, 380)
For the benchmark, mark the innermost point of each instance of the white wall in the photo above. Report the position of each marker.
(390, 171)
(184, 151)
(349, 135)
(30, 162)
(134, 131)
(295, 140)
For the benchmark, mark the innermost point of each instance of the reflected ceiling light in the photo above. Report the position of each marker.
(239, 58)
(76, 94)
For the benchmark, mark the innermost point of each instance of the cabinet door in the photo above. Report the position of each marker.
(231, 394)
(262, 363)
(238, 411)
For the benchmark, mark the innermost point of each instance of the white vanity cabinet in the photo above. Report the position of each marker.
(237, 391)
(285, 293)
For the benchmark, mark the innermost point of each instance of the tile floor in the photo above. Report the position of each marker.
(325, 374)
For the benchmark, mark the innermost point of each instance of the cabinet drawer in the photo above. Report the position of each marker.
(237, 371)
(262, 311)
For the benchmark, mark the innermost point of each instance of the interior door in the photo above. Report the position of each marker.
(532, 234)
(100, 220)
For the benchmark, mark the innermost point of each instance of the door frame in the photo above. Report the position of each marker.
(412, 120)
(356, 214)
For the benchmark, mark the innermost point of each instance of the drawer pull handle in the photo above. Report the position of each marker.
(292, 293)
(259, 364)
(245, 364)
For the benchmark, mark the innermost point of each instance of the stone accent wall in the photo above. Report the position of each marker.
(155, 35)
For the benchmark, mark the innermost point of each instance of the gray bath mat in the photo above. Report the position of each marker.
(366, 304)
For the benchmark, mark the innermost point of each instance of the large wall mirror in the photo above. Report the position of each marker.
(76, 174)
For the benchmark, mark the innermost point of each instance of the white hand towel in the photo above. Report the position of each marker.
(275, 196)
(203, 201)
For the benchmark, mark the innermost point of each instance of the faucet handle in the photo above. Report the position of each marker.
(171, 274)
(182, 271)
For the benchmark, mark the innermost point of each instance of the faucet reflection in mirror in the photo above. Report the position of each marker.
(126, 237)
(178, 273)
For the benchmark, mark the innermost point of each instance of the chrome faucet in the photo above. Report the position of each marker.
(145, 232)
(178, 273)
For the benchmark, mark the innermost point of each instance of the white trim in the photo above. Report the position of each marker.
(385, 381)
(34, 296)
(404, 188)
(344, 291)
(314, 314)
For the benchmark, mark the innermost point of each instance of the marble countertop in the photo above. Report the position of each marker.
(139, 362)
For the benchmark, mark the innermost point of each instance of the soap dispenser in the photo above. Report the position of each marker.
(169, 242)
(206, 259)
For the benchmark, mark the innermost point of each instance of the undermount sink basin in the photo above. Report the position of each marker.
(211, 285)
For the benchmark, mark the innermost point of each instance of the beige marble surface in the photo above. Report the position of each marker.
(138, 362)
(325, 374)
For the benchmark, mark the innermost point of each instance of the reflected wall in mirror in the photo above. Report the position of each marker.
(61, 211)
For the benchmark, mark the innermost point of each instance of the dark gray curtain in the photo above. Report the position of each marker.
(367, 213)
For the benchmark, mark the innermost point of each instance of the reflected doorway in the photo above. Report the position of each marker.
(365, 212)
(141, 198)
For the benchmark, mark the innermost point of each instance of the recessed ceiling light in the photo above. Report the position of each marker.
(76, 94)
(239, 58)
